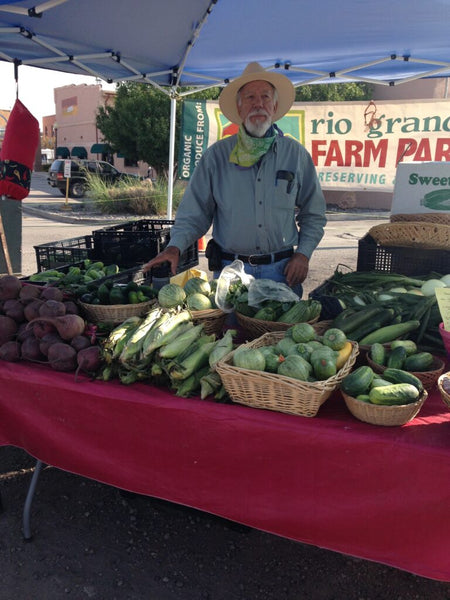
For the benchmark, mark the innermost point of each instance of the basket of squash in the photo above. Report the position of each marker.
(292, 371)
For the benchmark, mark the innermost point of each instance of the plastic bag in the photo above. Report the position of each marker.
(261, 290)
(229, 275)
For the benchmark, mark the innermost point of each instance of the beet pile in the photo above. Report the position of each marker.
(39, 324)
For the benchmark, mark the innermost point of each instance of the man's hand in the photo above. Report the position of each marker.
(296, 269)
(171, 254)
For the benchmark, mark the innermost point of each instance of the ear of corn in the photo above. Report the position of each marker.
(222, 347)
(193, 362)
(181, 342)
(163, 331)
(134, 344)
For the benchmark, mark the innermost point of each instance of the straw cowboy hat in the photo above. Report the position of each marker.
(255, 72)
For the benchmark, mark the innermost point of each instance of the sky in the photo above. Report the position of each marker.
(36, 88)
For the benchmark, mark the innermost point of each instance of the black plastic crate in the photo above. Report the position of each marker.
(124, 276)
(64, 252)
(400, 259)
(136, 242)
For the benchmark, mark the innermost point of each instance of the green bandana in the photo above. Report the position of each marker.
(248, 150)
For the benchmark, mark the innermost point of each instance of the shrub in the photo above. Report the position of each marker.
(133, 197)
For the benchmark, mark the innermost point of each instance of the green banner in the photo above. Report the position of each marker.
(194, 136)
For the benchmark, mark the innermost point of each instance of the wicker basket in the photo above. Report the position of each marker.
(428, 378)
(376, 414)
(444, 395)
(254, 328)
(114, 313)
(412, 234)
(259, 389)
(437, 217)
(213, 320)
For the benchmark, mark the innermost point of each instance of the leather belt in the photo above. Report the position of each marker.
(259, 259)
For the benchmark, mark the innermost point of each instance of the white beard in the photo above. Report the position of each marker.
(259, 128)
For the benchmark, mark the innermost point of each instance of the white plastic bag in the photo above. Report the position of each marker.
(230, 274)
(261, 290)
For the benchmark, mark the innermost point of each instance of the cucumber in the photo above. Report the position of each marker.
(421, 361)
(358, 381)
(379, 382)
(396, 394)
(377, 354)
(408, 345)
(401, 376)
(396, 358)
(389, 333)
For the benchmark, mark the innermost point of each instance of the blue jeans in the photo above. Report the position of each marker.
(274, 271)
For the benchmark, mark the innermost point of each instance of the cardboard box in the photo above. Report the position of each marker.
(422, 187)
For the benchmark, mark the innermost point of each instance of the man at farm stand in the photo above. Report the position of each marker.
(254, 187)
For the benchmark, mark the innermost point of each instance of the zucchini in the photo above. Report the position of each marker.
(401, 376)
(421, 361)
(390, 333)
(358, 381)
(377, 353)
(396, 358)
(395, 394)
(384, 317)
(349, 319)
(298, 313)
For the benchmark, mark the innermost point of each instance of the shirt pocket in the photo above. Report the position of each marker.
(285, 194)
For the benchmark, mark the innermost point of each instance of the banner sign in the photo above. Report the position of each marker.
(354, 145)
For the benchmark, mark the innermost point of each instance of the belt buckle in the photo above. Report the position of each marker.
(252, 264)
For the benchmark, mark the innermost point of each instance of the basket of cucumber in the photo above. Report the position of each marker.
(404, 354)
(114, 313)
(387, 415)
(444, 388)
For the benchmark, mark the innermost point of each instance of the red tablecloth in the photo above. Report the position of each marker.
(379, 493)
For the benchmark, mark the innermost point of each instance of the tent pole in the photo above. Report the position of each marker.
(173, 114)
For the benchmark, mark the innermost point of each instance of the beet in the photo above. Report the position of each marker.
(80, 342)
(8, 329)
(28, 292)
(62, 357)
(68, 326)
(10, 351)
(41, 329)
(52, 293)
(52, 308)
(31, 310)
(71, 308)
(30, 350)
(10, 287)
(89, 360)
(23, 332)
(15, 309)
(48, 340)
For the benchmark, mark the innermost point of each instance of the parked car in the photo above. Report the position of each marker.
(78, 179)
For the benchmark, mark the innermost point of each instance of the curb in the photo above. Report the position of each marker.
(60, 217)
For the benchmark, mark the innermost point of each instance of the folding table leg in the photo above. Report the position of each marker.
(29, 500)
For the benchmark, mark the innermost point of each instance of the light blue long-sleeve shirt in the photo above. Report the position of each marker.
(253, 212)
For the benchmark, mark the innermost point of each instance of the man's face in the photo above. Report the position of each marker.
(256, 106)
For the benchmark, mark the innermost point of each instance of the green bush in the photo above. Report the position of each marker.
(129, 196)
